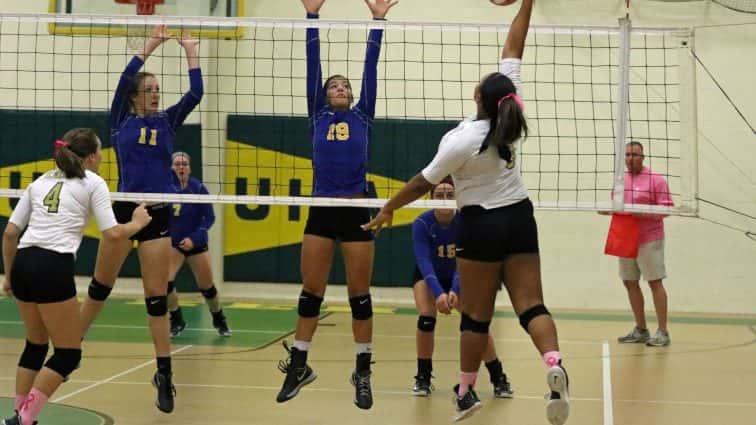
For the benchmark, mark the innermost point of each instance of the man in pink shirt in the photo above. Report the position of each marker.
(643, 186)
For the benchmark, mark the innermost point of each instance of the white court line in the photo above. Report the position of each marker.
(456, 338)
(405, 392)
(116, 376)
(11, 322)
(607, 380)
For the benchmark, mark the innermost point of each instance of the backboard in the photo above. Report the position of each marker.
(191, 11)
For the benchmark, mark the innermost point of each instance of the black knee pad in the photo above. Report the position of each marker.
(362, 307)
(157, 306)
(531, 314)
(98, 291)
(426, 323)
(171, 286)
(64, 360)
(309, 304)
(209, 293)
(33, 356)
(467, 323)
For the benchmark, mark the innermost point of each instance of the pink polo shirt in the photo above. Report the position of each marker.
(648, 188)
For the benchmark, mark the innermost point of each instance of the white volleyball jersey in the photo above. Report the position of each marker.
(479, 178)
(56, 210)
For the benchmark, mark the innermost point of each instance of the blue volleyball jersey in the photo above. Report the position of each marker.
(435, 254)
(192, 220)
(340, 138)
(143, 145)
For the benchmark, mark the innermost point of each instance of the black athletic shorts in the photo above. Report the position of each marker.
(339, 223)
(194, 251)
(446, 284)
(158, 228)
(493, 235)
(42, 276)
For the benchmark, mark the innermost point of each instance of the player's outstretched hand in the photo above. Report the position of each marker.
(313, 6)
(384, 218)
(380, 8)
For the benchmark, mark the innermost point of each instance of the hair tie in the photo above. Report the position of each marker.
(512, 95)
(60, 144)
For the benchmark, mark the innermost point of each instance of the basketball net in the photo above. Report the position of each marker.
(136, 36)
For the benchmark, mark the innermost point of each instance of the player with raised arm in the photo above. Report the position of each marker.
(143, 138)
(340, 135)
(498, 239)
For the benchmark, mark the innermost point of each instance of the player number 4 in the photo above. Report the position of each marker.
(52, 199)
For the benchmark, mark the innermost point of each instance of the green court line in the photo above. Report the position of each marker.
(258, 324)
(125, 320)
(61, 414)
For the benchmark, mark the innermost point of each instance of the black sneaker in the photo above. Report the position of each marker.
(296, 376)
(502, 387)
(219, 323)
(558, 406)
(14, 420)
(363, 395)
(177, 323)
(165, 391)
(466, 405)
(423, 386)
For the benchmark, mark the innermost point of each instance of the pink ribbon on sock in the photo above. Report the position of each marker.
(29, 399)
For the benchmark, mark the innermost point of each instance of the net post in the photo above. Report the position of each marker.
(623, 88)
(688, 123)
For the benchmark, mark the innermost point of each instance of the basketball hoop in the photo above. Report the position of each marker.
(144, 7)
(135, 38)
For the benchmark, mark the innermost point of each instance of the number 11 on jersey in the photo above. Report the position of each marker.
(143, 136)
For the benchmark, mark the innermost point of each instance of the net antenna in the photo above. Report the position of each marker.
(135, 37)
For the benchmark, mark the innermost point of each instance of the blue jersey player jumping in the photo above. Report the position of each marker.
(189, 226)
(339, 134)
(436, 288)
(143, 138)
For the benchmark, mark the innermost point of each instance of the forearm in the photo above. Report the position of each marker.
(414, 189)
(149, 46)
(122, 231)
(518, 31)
(192, 57)
(199, 237)
(315, 96)
(10, 246)
(455, 283)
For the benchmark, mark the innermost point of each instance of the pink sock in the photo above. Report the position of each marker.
(552, 358)
(466, 380)
(19, 401)
(31, 406)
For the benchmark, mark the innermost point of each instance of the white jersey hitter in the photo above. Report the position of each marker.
(498, 236)
(39, 269)
(56, 210)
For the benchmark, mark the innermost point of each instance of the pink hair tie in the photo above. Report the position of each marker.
(514, 96)
(60, 144)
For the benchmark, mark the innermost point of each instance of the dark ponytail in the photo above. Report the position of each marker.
(500, 103)
(76, 146)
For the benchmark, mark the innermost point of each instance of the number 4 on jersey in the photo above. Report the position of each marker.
(52, 199)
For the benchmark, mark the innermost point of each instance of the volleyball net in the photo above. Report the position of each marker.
(588, 91)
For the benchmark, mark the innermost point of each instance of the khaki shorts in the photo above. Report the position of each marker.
(649, 263)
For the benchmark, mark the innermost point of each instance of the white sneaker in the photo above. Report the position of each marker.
(660, 339)
(558, 406)
(637, 335)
